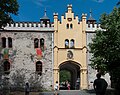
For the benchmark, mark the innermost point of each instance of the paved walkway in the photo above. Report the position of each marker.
(71, 92)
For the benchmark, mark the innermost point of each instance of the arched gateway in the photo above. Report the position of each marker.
(74, 69)
(70, 48)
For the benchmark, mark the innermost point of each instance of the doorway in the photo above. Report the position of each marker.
(69, 71)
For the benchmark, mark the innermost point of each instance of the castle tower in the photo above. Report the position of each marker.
(45, 20)
(70, 48)
(91, 20)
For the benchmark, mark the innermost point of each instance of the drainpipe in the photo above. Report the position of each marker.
(52, 58)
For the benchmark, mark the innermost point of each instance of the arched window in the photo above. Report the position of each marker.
(39, 67)
(6, 67)
(36, 43)
(72, 43)
(3, 42)
(71, 26)
(9, 42)
(67, 26)
(42, 44)
(66, 43)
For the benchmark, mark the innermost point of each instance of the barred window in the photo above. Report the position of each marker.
(6, 67)
(39, 67)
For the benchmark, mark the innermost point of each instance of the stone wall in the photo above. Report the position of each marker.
(23, 58)
(92, 72)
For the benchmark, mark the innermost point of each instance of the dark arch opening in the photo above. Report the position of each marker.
(39, 67)
(3, 42)
(6, 65)
(36, 43)
(42, 44)
(74, 69)
(66, 43)
(71, 26)
(9, 42)
(67, 26)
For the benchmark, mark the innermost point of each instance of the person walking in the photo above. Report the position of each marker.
(68, 85)
(27, 89)
(56, 88)
(100, 85)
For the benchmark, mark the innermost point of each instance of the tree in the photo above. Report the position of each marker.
(105, 46)
(7, 7)
(118, 3)
(65, 75)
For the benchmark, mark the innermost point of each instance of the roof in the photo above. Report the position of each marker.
(90, 17)
(45, 16)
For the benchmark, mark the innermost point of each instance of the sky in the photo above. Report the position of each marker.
(33, 10)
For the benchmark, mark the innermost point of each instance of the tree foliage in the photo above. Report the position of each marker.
(65, 75)
(118, 3)
(7, 7)
(105, 46)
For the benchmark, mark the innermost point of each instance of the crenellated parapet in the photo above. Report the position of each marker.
(91, 24)
(29, 26)
(93, 27)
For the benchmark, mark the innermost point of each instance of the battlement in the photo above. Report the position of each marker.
(93, 27)
(29, 26)
(55, 14)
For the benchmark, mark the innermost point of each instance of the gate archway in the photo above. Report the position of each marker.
(74, 69)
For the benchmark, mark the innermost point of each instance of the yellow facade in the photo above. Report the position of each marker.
(73, 30)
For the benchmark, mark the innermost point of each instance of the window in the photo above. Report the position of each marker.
(39, 43)
(45, 23)
(9, 42)
(93, 24)
(71, 26)
(72, 43)
(66, 43)
(88, 24)
(67, 26)
(39, 67)
(6, 67)
(42, 44)
(3, 42)
(36, 43)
